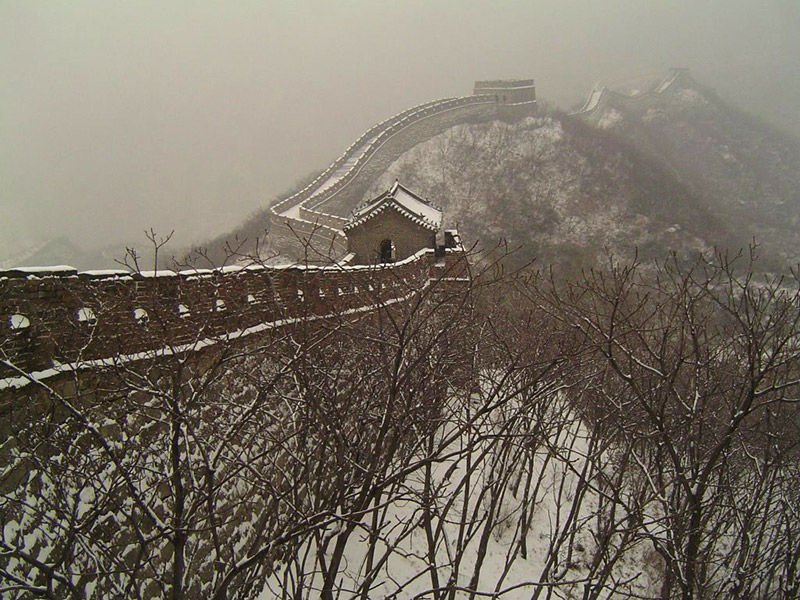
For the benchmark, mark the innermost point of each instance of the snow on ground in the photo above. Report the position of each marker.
(470, 535)
(655, 115)
(690, 98)
(609, 119)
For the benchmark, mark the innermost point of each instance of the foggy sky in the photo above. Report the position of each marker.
(119, 116)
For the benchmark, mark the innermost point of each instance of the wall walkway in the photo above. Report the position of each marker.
(603, 96)
(319, 208)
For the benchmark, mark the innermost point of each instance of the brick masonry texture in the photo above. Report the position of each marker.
(365, 240)
(80, 317)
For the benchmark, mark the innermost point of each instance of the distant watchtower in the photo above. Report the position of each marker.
(515, 98)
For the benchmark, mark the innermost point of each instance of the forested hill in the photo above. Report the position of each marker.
(743, 170)
(677, 170)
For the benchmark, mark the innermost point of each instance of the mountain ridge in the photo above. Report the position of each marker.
(673, 168)
(678, 170)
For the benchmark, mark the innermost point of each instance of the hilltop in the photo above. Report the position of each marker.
(679, 171)
(674, 168)
(742, 170)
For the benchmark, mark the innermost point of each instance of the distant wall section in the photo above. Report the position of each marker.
(601, 97)
(393, 145)
(515, 98)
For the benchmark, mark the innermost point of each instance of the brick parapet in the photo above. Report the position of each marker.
(51, 318)
(379, 132)
(392, 146)
(371, 150)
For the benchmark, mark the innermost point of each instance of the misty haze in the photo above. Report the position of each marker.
(118, 118)
(433, 300)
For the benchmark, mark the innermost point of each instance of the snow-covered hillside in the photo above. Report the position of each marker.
(656, 169)
(741, 170)
(677, 170)
(559, 188)
(511, 521)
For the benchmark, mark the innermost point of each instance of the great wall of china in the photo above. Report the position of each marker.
(602, 96)
(75, 345)
(55, 320)
(313, 210)
(321, 207)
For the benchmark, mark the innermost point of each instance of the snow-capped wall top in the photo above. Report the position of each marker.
(56, 316)
(343, 168)
(504, 83)
(308, 211)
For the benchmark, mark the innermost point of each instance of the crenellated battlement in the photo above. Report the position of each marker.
(55, 319)
(515, 98)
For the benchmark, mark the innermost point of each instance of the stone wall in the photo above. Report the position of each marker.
(372, 152)
(398, 120)
(603, 96)
(508, 91)
(365, 240)
(323, 241)
(332, 221)
(343, 201)
(324, 205)
(59, 318)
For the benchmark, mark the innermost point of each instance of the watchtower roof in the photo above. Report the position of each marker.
(399, 198)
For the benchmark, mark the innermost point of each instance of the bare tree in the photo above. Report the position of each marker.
(698, 373)
(629, 434)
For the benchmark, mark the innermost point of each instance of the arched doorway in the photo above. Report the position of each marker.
(387, 251)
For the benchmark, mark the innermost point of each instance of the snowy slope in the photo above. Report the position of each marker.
(485, 520)
(556, 187)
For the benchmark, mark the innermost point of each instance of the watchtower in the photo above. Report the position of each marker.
(392, 227)
(515, 98)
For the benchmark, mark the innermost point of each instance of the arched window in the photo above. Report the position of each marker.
(387, 251)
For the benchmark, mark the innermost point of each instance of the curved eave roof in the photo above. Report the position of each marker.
(392, 204)
(405, 202)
